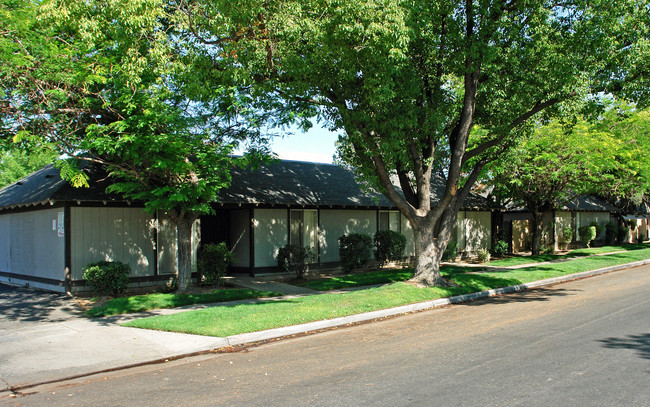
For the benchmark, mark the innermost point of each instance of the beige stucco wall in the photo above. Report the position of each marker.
(474, 231)
(32, 244)
(112, 234)
(335, 223)
(562, 220)
(269, 236)
(407, 231)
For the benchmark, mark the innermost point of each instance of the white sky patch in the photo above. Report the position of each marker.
(306, 156)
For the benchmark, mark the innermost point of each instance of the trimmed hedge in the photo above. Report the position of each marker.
(389, 246)
(213, 263)
(355, 250)
(107, 276)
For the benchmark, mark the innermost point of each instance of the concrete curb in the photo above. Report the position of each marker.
(421, 306)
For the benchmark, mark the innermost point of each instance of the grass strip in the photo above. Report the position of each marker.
(384, 276)
(235, 319)
(141, 303)
(519, 260)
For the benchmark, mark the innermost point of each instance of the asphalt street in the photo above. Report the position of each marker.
(581, 343)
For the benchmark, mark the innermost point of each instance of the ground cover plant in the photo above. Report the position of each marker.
(141, 303)
(234, 319)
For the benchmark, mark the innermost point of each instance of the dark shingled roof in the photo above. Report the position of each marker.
(279, 183)
(305, 183)
(588, 203)
(46, 185)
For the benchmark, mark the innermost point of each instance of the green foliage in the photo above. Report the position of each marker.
(587, 234)
(600, 228)
(611, 233)
(483, 255)
(213, 263)
(292, 258)
(389, 246)
(16, 163)
(623, 234)
(500, 248)
(567, 234)
(451, 251)
(107, 276)
(355, 250)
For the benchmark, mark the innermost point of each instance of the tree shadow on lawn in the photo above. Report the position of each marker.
(19, 304)
(639, 343)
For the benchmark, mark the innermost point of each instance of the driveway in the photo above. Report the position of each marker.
(24, 307)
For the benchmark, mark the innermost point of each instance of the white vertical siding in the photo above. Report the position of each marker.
(112, 234)
(167, 240)
(5, 243)
(240, 238)
(335, 223)
(270, 234)
(31, 246)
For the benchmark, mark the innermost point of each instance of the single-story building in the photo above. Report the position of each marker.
(581, 211)
(49, 230)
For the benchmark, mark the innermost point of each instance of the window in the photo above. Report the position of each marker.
(390, 220)
(303, 228)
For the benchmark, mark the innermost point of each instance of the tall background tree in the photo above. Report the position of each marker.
(410, 81)
(120, 84)
(561, 161)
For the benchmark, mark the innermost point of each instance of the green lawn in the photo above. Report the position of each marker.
(234, 319)
(140, 303)
(384, 276)
(519, 260)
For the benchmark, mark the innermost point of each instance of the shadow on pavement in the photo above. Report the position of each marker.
(538, 294)
(19, 304)
(640, 343)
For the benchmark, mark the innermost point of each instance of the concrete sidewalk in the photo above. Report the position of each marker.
(73, 346)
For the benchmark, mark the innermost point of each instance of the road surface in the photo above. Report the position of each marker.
(580, 343)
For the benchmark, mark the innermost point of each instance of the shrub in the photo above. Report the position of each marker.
(389, 246)
(355, 250)
(107, 276)
(587, 234)
(547, 249)
(500, 248)
(611, 231)
(213, 263)
(567, 235)
(292, 258)
(451, 251)
(483, 255)
(600, 228)
(623, 234)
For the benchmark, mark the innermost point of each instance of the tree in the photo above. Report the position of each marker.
(117, 83)
(16, 163)
(559, 162)
(429, 87)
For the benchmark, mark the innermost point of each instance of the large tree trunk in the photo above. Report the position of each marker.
(427, 257)
(538, 230)
(184, 222)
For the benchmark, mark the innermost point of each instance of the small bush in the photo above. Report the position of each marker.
(389, 246)
(500, 248)
(547, 249)
(567, 236)
(483, 255)
(600, 229)
(107, 276)
(451, 251)
(623, 234)
(611, 233)
(292, 258)
(587, 234)
(213, 263)
(355, 250)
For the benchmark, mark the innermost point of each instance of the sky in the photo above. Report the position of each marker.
(315, 145)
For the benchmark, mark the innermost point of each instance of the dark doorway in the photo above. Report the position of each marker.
(214, 228)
